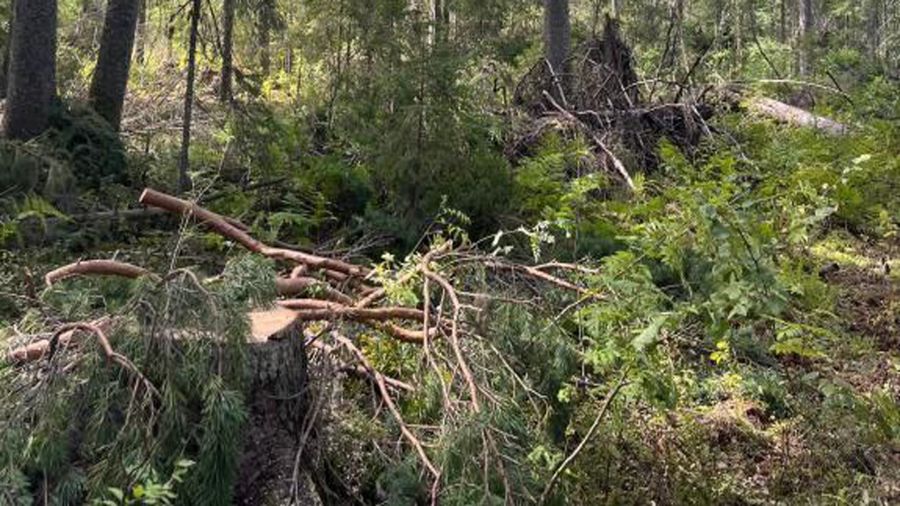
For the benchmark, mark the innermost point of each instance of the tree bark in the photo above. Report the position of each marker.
(4, 65)
(107, 93)
(804, 33)
(265, 57)
(782, 21)
(873, 27)
(32, 69)
(184, 180)
(225, 91)
(557, 32)
(141, 36)
(784, 113)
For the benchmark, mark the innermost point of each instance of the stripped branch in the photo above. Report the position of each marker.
(386, 397)
(223, 227)
(95, 267)
(111, 355)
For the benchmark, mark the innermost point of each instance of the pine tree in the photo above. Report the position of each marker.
(107, 94)
(31, 89)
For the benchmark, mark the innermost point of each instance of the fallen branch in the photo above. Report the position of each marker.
(386, 397)
(330, 310)
(587, 437)
(454, 337)
(111, 355)
(38, 349)
(791, 115)
(359, 370)
(538, 273)
(223, 227)
(95, 267)
(301, 284)
(314, 309)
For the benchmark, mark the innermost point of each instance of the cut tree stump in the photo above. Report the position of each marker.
(277, 407)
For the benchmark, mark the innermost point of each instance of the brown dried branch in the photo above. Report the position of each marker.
(426, 344)
(359, 370)
(95, 267)
(40, 348)
(379, 293)
(454, 336)
(538, 272)
(619, 166)
(314, 309)
(325, 310)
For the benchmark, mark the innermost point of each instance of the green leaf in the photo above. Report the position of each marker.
(117, 493)
(649, 334)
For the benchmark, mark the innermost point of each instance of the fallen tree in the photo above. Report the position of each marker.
(319, 297)
(788, 114)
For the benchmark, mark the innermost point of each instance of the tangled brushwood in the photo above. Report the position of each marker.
(179, 349)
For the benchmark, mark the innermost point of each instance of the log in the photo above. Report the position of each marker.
(784, 113)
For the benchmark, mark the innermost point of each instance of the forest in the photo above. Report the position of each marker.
(449, 252)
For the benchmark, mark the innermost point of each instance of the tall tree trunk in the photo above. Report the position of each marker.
(265, 57)
(557, 32)
(738, 33)
(141, 39)
(184, 180)
(873, 27)
(614, 9)
(804, 33)
(679, 52)
(4, 65)
(782, 21)
(107, 93)
(439, 21)
(225, 92)
(32, 69)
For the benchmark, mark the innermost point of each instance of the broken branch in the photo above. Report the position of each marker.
(95, 267)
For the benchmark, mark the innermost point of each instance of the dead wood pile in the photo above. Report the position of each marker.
(600, 98)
